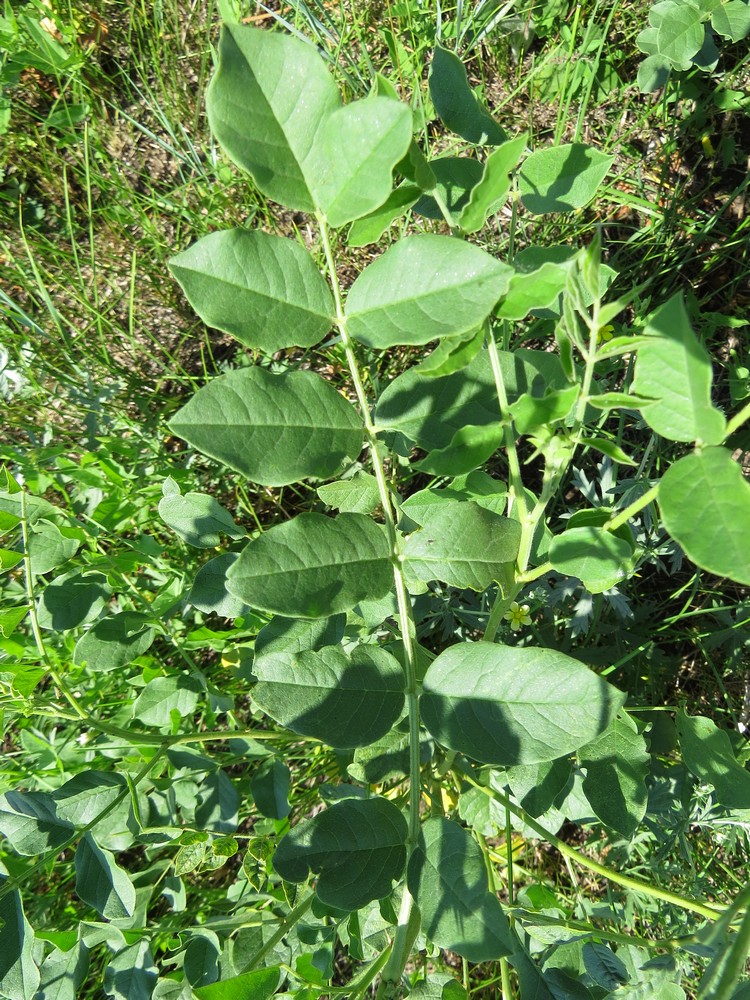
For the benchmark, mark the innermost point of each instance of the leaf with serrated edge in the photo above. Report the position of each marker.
(313, 566)
(274, 429)
(462, 544)
(514, 705)
(705, 506)
(674, 368)
(356, 847)
(423, 288)
(447, 876)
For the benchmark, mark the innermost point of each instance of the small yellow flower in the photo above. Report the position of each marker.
(606, 333)
(518, 615)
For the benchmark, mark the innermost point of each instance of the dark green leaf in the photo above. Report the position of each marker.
(469, 448)
(707, 753)
(48, 547)
(617, 765)
(423, 288)
(164, 695)
(597, 557)
(270, 787)
(538, 786)
(73, 599)
(356, 847)
(30, 823)
(82, 798)
(209, 591)
(562, 178)
(201, 961)
(264, 290)
(511, 705)
(63, 973)
(358, 495)
(705, 505)
(274, 429)
(455, 103)
(447, 877)
(101, 883)
(218, 803)
(19, 975)
(131, 974)
(346, 700)
(453, 180)
(313, 566)
(114, 641)
(462, 544)
(258, 985)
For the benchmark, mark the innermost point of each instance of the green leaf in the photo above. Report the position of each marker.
(9, 559)
(423, 288)
(274, 429)
(198, 519)
(462, 544)
(653, 73)
(49, 546)
(708, 754)
(532, 412)
(370, 228)
(705, 506)
(469, 448)
(358, 495)
(73, 599)
(131, 974)
(101, 883)
(270, 787)
(30, 823)
(355, 847)
(512, 705)
(114, 641)
(490, 193)
(63, 973)
(455, 103)
(538, 786)
(286, 636)
(452, 353)
(302, 148)
(346, 700)
(599, 558)
(201, 960)
(269, 98)
(209, 591)
(454, 178)
(19, 975)
(562, 178)
(481, 812)
(10, 620)
(617, 765)
(430, 411)
(260, 984)
(604, 967)
(387, 757)
(164, 695)
(313, 566)
(732, 20)
(218, 802)
(80, 800)
(674, 369)
(447, 876)
(264, 290)
(680, 34)
(438, 986)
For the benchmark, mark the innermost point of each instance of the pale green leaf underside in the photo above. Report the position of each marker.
(597, 557)
(423, 288)
(164, 695)
(19, 975)
(462, 544)
(199, 519)
(356, 847)
(274, 429)
(264, 290)
(680, 34)
(674, 368)
(101, 882)
(277, 111)
(313, 566)
(447, 876)
(30, 823)
(346, 700)
(505, 705)
(490, 193)
(617, 765)
(455, 103)
(705, 506)
(562, 178)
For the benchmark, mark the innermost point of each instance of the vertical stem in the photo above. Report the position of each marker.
(405, 931)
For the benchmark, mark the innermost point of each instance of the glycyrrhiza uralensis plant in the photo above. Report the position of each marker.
(447, 744)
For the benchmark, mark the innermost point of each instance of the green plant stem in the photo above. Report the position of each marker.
(703, 909)
(404, 937)
(533, 917)
(738, 420)
(293, 917)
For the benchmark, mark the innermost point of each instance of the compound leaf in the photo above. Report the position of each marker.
(346, 700)
(423, 288)
(674, 369)
(455, 103)
(265, 290)
(356, 847)
(705, 506)
(101, 883)
(462, 544)
(313, 566)
(274, 429)
(513, 705)
(562, 178)
(447, 876)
